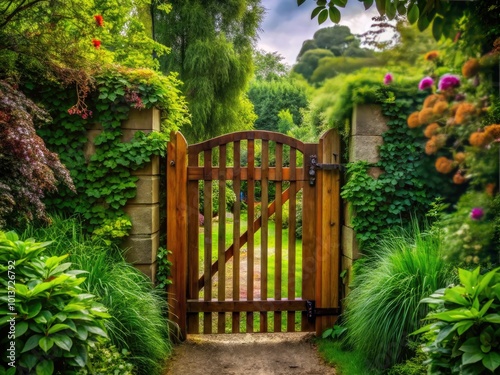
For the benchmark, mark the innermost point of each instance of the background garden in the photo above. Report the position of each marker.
(424, 296)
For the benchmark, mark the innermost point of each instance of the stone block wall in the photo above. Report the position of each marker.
(141, 246)
(368, 125)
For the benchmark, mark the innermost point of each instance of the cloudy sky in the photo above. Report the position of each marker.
(286, 25)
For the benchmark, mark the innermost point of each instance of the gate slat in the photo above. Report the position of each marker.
(264, 231)
(236, 235)
(221, 292)
(278, 235)
(292, 221)
(193, 320)
(207, 235)
(250, 240)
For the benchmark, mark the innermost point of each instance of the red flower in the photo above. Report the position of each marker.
(99, 20)
(96, 43)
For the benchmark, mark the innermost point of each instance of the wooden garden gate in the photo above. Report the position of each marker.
(228, 277)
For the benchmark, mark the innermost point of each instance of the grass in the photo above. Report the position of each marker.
(138, 320)
(384, 307)
(271, 268)
(346, 362)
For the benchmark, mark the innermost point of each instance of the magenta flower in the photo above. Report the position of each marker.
(448, 81)
(476, 213)
(425, 83)
(388, 79)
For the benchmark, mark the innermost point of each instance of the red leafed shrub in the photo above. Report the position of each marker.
(28, 169)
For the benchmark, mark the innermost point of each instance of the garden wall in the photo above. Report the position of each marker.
(144, 210)
(368, 125)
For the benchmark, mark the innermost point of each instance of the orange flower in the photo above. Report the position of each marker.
(432, 99)
(440, 107)
(425, 116)
(444, 165)
(464, 112)
(453, 109)
(493, 131)
(470, 68)
(96, 43)
(413, 120)
(431, 55)
(459, 157)
(479, 139)
(431, 129)
(458, 178)
(430, 147)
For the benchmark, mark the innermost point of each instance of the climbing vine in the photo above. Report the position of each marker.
(405, 187)
(104, 180)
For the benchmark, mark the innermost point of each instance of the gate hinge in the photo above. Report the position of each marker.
(314, 165)
(313, 311)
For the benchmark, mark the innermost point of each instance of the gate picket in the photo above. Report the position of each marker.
(198, 297)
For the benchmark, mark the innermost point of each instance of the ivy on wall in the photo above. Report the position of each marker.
(407, 185)
(104, 181)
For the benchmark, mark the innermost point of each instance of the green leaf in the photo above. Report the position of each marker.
(34, 309)
(335, 15)
(437, 28)
(380, 4)
(339, 3)
(368, 4)
(21, 328)
(97, 331)
(46, 343)
(300, 2)
(58, 327)
(474, 357)
(492, 318)
(31, 343)
(413, 14)
(63, 341)
(45, 368)
(323, 15)
(401, 9)
(491, 361)
(463, 326)
(390, 9)
(315, 11)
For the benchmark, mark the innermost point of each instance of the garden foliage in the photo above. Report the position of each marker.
(56, 319)
(464, 334)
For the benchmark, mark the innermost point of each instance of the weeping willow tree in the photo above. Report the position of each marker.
(211, 43)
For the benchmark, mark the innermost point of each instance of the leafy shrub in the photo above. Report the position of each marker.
(384, 307)
(28, 170)
(163, 272)
(464, 336)
(105, 358)
(55, 319)
(138, 321)
(230, 197)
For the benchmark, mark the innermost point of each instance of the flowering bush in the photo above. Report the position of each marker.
(28, 170)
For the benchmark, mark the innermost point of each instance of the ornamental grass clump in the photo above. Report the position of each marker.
(138, 322)
(384, 307)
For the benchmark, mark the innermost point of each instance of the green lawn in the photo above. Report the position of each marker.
(271, 267)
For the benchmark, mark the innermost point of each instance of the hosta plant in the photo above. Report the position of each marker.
(47, 319)
(464, 334)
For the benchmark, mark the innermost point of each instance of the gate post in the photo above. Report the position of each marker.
(328, 230)
(177, 228)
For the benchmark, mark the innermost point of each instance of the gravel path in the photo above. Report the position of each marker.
(248, 354)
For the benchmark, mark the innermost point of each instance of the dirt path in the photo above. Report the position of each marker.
(255, 354)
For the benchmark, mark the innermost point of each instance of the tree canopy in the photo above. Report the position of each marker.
(211, 44)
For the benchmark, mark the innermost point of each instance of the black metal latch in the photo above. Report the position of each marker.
(313, 311)
(314, 165)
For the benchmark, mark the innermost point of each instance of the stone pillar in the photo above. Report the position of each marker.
(141, 246)
(368, 125)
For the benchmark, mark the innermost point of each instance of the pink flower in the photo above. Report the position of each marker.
(448, 81)
(388, 79)
(425, 83)
(477, 213)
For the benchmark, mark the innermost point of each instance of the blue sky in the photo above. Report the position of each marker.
(286, 25)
